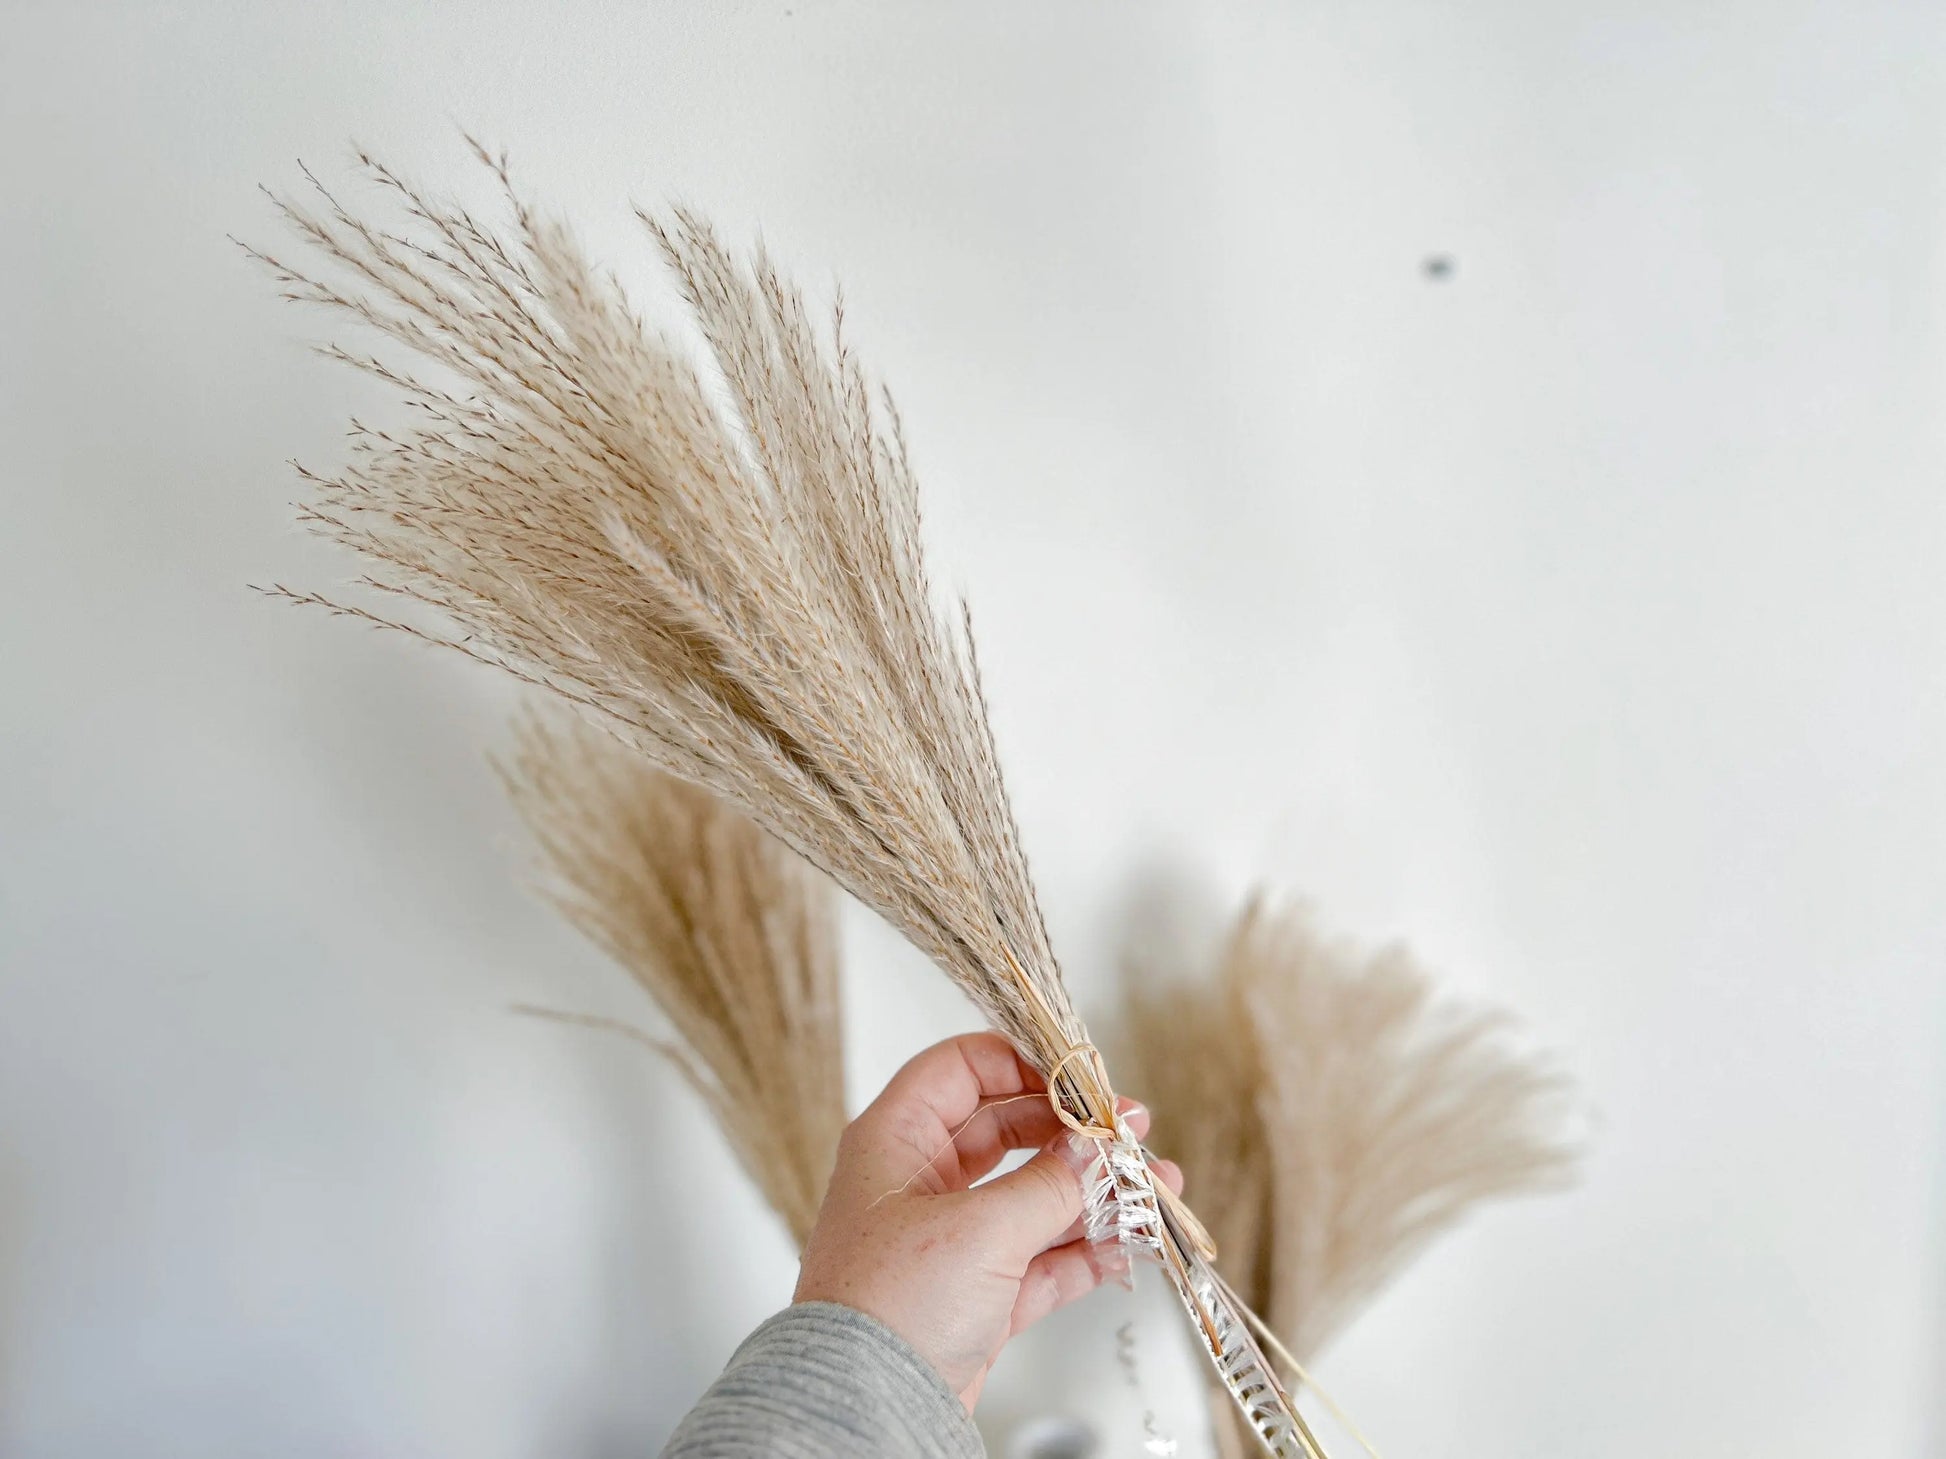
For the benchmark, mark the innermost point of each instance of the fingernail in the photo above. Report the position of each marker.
(1077, 1152)
(1132, 1108)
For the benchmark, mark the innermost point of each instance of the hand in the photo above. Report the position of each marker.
(956, 1269)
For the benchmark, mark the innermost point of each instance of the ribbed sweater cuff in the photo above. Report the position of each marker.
(820, 1380)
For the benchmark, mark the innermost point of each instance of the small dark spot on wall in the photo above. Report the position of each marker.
(1438, 267)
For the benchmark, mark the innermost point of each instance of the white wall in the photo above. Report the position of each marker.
(1581, 617)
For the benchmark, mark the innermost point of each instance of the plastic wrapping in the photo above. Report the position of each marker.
(1124, 1206)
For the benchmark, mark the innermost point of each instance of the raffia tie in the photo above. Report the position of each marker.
(1117, 1132)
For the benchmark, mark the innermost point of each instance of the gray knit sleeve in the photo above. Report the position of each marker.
(822, 1381)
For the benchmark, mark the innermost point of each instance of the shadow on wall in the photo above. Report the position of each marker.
(654, 1269)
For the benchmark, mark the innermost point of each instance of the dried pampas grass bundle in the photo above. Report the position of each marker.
(1334, 1117)
(730, 932)
(721, 565)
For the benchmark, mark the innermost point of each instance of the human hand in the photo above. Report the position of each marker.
(956, 1269)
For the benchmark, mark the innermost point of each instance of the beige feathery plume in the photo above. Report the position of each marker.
(720, 566)
(730, 932)
(1332, 1117)
(723, 567)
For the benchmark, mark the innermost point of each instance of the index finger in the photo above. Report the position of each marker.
(913, 1122)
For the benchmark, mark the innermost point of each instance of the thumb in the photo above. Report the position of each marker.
(1030, 1209)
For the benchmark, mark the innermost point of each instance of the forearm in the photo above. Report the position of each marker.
(822, 1381)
